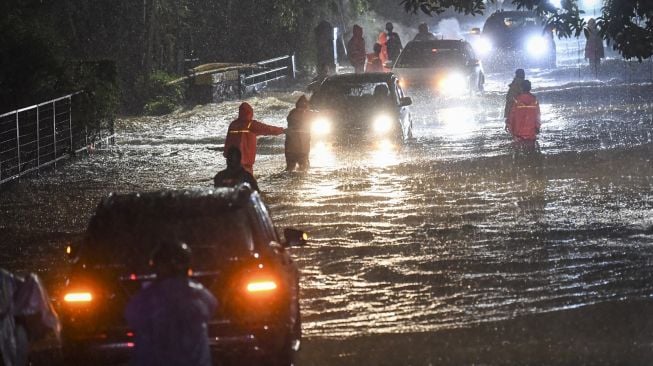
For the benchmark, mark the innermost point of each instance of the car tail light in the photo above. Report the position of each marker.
(261, 286)
(80, 297)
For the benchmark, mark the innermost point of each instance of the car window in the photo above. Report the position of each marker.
(266, 227)
(346, 93)
(127, 239)
(429, 56)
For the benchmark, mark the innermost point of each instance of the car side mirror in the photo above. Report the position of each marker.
(405, 101)
(294, 238)
(476, 30)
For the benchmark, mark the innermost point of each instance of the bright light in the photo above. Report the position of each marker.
(382, 124)
(403, 83)
(537, 46)
(556, 3)
(453, 85)
(78, 297)
(483, 46)
(261, 286)
(321, 126)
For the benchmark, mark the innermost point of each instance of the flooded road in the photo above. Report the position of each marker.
(454, 229)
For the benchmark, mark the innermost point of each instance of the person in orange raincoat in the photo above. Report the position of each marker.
(383, 41)
(524, 118)
(242, 134)
(374, 63)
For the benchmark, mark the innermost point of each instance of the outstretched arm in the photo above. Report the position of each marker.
(260, 128)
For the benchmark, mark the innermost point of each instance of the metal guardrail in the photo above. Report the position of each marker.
(39, 136)
(269, 70)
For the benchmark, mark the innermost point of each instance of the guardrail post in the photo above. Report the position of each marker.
(38, 139)
(292, 64)
(70, 124)
(54, 132)
(18, 142)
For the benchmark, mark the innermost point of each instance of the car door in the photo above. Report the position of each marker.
(404, 112)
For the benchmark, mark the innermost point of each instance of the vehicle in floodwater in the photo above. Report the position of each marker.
(515, 38)
(353, 112)
(449, 68)
(236, 254)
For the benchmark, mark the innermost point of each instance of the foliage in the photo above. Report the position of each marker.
(158, 95)
(626, 24)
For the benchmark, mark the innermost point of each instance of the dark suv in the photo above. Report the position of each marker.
(236, 254)
(515, 39)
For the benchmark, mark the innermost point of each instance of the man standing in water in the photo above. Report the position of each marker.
(242, 135)
(298, 136)
(524, 118)
(514, 89)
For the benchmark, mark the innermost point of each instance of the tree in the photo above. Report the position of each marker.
(625, 24)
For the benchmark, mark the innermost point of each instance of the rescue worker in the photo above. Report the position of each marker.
(514, 89)
(423, 33)
(298, 136)
(234, 174)
(356, 49)
(169, 317)
(394, 43)
(593, 47)
(242, 134)
(374, 63)
(524, 118)
(383, 41)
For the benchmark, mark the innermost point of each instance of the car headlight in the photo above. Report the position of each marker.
(382, 124)
(321, 126)
(537, 46)
(483, 46)
(453, 84)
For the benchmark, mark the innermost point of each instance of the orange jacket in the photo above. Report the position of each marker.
(374, 63)
(243, 131)
(524, 118)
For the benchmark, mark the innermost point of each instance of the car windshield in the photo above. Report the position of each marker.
(429, 56)
(346, 93)
(126, 240)
(512, 22)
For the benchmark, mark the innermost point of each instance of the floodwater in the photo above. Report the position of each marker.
(456, 228)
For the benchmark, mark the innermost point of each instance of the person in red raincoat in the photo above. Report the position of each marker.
(374, 62)
(383, 41)
(356, 50)
(242, 134)
(524, 118)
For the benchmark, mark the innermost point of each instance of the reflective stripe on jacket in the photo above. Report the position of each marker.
(524, 119)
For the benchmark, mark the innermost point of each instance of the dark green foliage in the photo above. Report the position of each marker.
(159, 96)
(626, 24)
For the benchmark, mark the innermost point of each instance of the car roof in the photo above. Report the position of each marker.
(362, 77)
(438, 43)
(513, 13)
(187, 202)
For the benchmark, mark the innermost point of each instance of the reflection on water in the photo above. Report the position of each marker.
(456, 228)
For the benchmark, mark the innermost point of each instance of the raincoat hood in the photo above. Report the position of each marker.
(302, 102)
(358, 31)
(245, 112)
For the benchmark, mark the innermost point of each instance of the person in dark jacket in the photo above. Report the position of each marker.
(298, 136)
(514, 89)
(524, 118)
(169, 317)
(242, 134)
(374, 62)
(393, 43)
(356, 49)
(423, 33)
(234, 174)
(593, 47)
(325, 47)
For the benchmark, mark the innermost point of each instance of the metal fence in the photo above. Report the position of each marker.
(268, 70)
(39, 136)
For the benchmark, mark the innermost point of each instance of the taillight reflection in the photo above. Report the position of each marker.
(261, 286)
(78, 297)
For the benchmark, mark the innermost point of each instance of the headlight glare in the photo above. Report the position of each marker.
(483, 46)
(382, 124)
(321, 126)
(537, 46)
(453, 84)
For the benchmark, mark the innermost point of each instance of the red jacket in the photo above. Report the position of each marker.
(524, 118)
(242, 134)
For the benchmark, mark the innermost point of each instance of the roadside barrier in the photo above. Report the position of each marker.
(38, 136)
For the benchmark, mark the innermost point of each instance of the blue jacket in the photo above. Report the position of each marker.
(169, 319)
